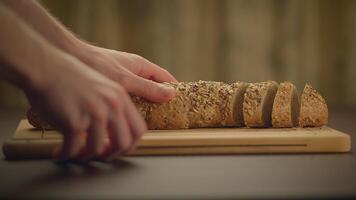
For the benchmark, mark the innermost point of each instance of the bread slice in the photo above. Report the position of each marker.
(313, 109)
(285, 109)
(234, 95)
(258, 102)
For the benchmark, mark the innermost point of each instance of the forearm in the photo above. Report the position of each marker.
(25, 56)
(46, 25)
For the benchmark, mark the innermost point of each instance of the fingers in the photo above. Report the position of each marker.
(135, 121)
(96, 145)
(71, 147)
(119, 136)
(148, 70)
(154, 72)
(113, 117)
(125, 128)
(148, 89)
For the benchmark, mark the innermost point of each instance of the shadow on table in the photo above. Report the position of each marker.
(70, 172)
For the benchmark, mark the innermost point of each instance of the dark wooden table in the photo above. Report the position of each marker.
(187, 177)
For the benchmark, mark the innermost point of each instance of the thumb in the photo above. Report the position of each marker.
(148, 89)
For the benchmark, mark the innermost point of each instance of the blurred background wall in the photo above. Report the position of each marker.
(304, 41)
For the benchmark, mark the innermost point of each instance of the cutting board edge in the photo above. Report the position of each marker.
(23, 150)
(339, 143)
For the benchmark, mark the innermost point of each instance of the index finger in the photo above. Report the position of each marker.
(156, 73)
(148, 70)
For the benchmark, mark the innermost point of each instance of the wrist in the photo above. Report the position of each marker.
(74, 46)
(85, 52)
(41, 70)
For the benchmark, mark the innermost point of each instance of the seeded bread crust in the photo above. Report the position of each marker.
(286, 106)
(172, 114)
(216, 104)
(313, 109)
(198, 104)
(258, 102)
(142, 106)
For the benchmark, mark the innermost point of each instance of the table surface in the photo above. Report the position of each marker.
(186, 177)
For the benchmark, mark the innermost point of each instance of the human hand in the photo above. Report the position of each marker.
(136, 74)
(86, 107)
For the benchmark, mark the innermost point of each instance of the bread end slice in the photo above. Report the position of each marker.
(313, 109)
(37, 121)
(258, 102)
(285, 109)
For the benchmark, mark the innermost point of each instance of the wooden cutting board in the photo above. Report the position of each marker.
(33, 143)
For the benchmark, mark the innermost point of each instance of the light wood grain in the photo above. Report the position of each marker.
(31, 143)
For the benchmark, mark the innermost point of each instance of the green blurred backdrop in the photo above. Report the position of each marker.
(304, 41)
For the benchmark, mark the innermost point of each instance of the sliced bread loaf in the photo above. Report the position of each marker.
(196, 104)
(313, 109)
(285, 109)
(258, 102)
(216, 104)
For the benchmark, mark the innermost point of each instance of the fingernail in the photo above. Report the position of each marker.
(168, 90)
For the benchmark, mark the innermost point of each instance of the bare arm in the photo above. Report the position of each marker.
(133, 72)
(46, 25)
(18, 43)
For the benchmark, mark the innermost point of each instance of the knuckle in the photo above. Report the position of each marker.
(73, 126)
(112, 98)
(124, 79)
(140, 63)
(137, 58)
(99, 114)
(150, 86)
(140, 70)
(115, 105)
